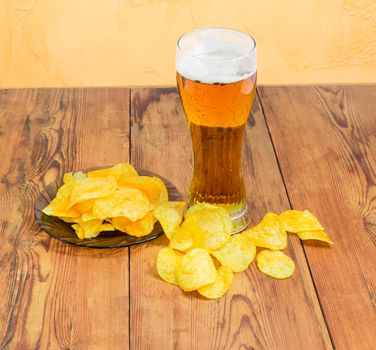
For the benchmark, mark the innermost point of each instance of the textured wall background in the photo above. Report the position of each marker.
(132, 42)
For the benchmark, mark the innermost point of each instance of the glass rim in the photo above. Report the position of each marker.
(247, 54)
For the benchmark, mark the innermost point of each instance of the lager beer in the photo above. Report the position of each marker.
(216, 76)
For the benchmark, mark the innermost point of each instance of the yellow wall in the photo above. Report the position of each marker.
(132, 42)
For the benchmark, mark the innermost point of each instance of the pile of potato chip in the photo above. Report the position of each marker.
(203, 255)
(109, 199)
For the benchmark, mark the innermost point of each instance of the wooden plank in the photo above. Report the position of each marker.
(258, 312)
(326, 145)
(53, 295)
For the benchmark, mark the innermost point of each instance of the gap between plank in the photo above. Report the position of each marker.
(291, 207)
(129, 248)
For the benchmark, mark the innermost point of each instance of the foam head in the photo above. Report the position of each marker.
(216, 55)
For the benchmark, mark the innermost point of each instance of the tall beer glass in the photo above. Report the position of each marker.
(216, 76)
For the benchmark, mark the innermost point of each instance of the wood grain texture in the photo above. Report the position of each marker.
(257, 312)
(325, 140)
(53, 295)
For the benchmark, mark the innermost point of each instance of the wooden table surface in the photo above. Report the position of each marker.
(308, 147)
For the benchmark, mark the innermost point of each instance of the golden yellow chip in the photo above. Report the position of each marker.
(236, 254)
(101, 173)
(78, 175)
(299, 221)
(210, 226)
(89, 188)
(87, 229)
(85, 206)
(220, 286)
(205, 207)
(182, 239)
(79, 231)
(269, 233)
(139, 228)
(167, 264)
(170, 215)
(128, 202)
(89, 216)
(315, 235)
(153, 188)
(59, 206)
(127, 170)
(71, 220)
(275, 264)
(91, 229)
(196, 270)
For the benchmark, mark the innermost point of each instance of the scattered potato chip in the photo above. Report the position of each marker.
(170, 215)
(269, 233)
(167, 264)
(59, 206)
(196, 270)
(139, 228)
(128, 202)
(153, 188)
(91, 189)
(220, 286)
(315, 235)
(275, 264)
(205, 207)
(237, 254)
(182, 239)
(210, 226)
(299, 221)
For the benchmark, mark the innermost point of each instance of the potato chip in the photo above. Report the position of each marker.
(75, 220)
(139, 228)
(128, 202)
(275, 264)
(85, 206)
(79, 231)
(127, 170)
(315, 235)
(167, 264)
(182, 239)
(89, 216)
(210, 226)
(205, 207)
(196, 270)
(101, 173)
(89, 188)
(153, 188)
(237, 254)
(91, 229)
(59, 206)
(269, 233)
(220, 286)
(78, 175)
(299, 221)
(170, 215)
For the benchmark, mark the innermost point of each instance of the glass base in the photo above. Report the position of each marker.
(241, 220)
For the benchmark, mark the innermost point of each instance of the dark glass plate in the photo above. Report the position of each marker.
(112, 239)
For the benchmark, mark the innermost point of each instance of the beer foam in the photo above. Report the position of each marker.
(215, 55)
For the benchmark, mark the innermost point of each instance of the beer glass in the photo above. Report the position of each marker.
(216, 77)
